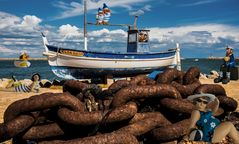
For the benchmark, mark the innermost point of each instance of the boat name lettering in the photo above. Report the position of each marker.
(70, 52)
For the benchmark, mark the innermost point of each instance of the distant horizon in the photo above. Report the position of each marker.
(44, 58)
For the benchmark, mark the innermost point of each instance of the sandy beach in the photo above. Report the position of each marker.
(6, 98)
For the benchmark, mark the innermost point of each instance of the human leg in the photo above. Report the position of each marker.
(11, 89)
(226, 76)
(219, 78)
(10, 83)
(225, 129)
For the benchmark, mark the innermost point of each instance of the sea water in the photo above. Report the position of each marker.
(7, 68)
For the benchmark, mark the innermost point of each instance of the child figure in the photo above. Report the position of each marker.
(203, 119)
(107, 14)
(100, 17)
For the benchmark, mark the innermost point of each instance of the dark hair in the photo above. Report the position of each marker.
(34, 75)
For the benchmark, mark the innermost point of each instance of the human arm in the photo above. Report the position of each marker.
(195, 116)
(232, 61)
(35, 86)
(214, 110)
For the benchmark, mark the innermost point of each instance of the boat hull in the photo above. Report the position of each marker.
(86, 73)
(66, 63)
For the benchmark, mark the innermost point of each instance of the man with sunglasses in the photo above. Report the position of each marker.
(203, 119)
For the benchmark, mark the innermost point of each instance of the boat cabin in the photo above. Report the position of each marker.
(138, 41)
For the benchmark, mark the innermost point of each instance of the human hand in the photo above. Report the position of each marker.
(186, 138)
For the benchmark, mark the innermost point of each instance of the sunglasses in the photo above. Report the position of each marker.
(201, 101)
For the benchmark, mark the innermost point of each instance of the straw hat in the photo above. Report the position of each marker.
(210, 96)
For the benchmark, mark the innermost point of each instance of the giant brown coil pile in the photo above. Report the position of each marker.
(140, 110)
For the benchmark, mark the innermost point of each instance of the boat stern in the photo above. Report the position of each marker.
(177, 60)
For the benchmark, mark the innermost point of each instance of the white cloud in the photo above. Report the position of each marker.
(12, 24)
(5, 50)
(16, 41)
(104, 31)
(18, 34)
(198, 3)
(207, 34)
(74, 8)
(104, 39)
(99, 32)
(7, 20)
(30, 21)
(140, 11)
(105, 35)
(69, 31)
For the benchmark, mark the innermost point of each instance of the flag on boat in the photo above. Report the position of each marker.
(103, 15)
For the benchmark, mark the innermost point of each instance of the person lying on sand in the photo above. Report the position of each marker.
(33, 87)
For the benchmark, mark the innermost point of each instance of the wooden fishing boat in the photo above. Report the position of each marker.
(78, 64)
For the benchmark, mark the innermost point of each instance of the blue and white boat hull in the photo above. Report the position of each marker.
(69, 63)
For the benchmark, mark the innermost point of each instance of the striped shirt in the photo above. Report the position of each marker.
(22, 88)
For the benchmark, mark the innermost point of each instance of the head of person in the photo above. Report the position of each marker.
(229, 50)
(36, 77)
(201, 100)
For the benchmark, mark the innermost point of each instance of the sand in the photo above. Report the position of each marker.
(6, 98)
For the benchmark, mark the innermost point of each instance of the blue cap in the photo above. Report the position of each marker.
(100, 10)
(105, 6)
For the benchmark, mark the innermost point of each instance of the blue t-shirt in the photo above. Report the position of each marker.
(207, 123)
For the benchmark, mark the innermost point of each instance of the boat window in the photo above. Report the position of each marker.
(132, 38)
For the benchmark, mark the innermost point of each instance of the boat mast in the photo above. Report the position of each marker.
(85, 23)
(135, 22)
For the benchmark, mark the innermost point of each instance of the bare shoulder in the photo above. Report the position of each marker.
(195, 113)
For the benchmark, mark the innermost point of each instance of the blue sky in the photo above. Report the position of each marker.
(201, 27)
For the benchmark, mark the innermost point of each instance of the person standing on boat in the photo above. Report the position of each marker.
(228, 63)
(107, 14)
(100, 17)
